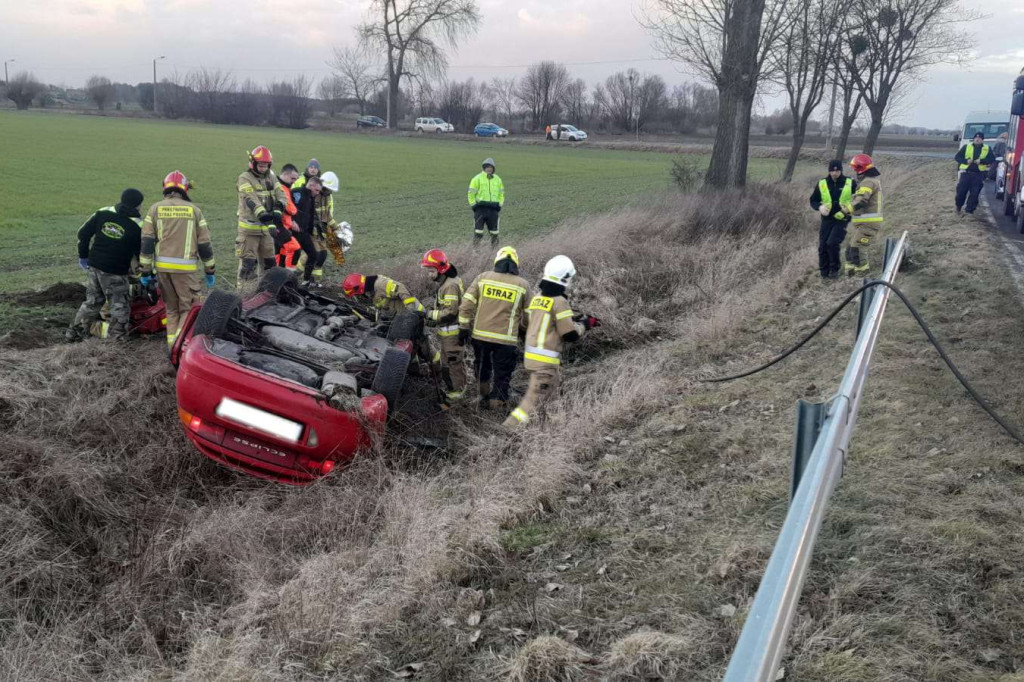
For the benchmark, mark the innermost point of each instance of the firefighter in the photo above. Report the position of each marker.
(108, 242)
(486, 197)
(491, 314)
(175, 238)
(974, 160)
(832, 198)
(287, 247)
(312, 171)
(867, 215)
(444, 317)
(389, 296)
(551, 325)
(259, 192)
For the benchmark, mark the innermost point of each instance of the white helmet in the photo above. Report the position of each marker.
(344, 234)
(330, 181)
(559, 270)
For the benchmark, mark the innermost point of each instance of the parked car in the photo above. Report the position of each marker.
(489, 130)
(433, 125)
(564, 131)
(370, 122)
(288, 384)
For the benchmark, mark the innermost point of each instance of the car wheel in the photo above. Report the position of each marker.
(437, 130)
(220, 308)
(1008, 207)
(390, 376)
(276, 279)
(406, 325)
(572, 139)
(419, 130)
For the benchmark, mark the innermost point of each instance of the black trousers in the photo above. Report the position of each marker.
(305, 240)
(969, 186)
(485, 217)
(495, 362)
(830, 238)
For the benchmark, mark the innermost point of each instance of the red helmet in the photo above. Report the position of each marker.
(177, 180)
(861, 163)
(354, 284)
(260, 155)
(436, 259)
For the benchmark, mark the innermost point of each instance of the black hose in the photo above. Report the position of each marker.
(924, 326)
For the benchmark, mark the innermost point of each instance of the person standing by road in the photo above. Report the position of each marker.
(107, 244)
(552, 324)
(867, 215)
(832, 198)
(259, 192)
(486, 197)
(974, 160)
(444, 317)
(492, 316)
(175, 238)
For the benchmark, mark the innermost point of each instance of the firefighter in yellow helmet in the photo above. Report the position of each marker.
(552, 324)
(261, 203)
(867, 215)
(444, 317)
(175, 239)
(491, 314)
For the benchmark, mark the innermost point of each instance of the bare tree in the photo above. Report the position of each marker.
(423, 97)
(540, 91)
(574, 101)
(460, 104)
(802, 62)
(503, 90)
(598, 105)
(727, 42)
(100, 90)
(23, 88)
(621, 97)
(353, 68)
(895, 39)
(209, 100)
(412, 35)
(289, 103)
(332, 90)
(650, 101)
(852, 98)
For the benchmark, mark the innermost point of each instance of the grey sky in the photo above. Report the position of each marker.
(66, 41)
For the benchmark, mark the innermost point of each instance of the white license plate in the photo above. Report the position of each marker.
(260, 420)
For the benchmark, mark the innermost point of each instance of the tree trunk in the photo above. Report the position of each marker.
(393, 84)
(718, 174)
(850, 111)
(799, 133)
(874, 130)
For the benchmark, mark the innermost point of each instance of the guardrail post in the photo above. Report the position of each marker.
(809, 418)
(866, 297)
(890, 248)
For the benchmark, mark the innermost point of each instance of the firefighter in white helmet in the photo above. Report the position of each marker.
(552, 324)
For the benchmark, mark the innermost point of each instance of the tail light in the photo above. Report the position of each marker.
(197, 426)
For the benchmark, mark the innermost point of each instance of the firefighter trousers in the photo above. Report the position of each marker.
(254, 248)
(452, 360)
(860, 239)
(180, 291)
(543, 384)
(495, 363)
(102, 289)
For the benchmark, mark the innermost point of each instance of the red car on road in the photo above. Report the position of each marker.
(288, 384)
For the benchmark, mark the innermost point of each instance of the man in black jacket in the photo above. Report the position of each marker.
(973, 161)
(107, 244)
(308, 229)
(832, 199)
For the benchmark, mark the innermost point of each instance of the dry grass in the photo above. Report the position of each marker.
(548, 659)
(648, 655)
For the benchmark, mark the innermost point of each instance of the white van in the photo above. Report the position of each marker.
(991, 124)
(433, 125)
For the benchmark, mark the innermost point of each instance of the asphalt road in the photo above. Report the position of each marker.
(1004, 230)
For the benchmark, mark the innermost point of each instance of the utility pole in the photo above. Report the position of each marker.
(7, 79)
(831, 120)
(154, 82)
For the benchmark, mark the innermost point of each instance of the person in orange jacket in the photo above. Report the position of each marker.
(288, 247)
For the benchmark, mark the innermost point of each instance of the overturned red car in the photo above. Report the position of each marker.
(288, 384)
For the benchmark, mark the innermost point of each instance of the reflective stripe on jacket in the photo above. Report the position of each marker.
(484, 190)
(984, 153)
(493, 307)
(256, 196)
(175, 238)
(446, 306)
(845, 194)
(867, 201)
(550, 320)
(392, 296)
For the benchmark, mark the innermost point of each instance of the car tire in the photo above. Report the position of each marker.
(406, 325)
(390, 376)
(572, 139)
(276, 279)
(1008, 207)
(437, 130)
(419, 130)
(217, 312)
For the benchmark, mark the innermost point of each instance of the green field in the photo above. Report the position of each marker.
(401, 194)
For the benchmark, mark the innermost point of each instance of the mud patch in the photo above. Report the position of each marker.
(61, 293)
(24, 338)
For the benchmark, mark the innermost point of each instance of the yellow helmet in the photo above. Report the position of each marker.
(507, 252)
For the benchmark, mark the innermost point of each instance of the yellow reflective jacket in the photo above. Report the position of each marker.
(867, 201)
(550, 320)
(445, 314)
(486, 191)
(256, 196)
(493, 307)
(175, 238)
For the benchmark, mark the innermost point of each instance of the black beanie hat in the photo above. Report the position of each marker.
(835, 164)
(131, 198)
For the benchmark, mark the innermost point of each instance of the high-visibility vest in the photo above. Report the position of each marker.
(969, 154)
(844, 195)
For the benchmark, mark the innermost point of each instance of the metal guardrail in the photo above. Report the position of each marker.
(822, 435)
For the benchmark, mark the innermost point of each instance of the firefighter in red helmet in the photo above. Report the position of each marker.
(444, 317)
(261, 202)
(867, 215)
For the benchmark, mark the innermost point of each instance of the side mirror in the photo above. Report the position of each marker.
(1017, 104)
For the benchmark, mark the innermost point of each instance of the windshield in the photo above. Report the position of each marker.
(568, 127)
(989, 130)
(438, 120)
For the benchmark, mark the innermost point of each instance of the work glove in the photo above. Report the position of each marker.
(840, 215)
(146, 280)
(83, 263)
(589, 322)
(266, 217)
(275, 234)
(464, 336)
(211, 281)
(824, 210)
